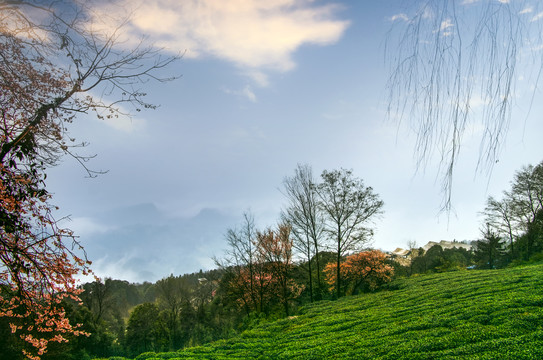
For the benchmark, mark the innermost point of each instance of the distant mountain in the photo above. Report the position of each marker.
(140, 243)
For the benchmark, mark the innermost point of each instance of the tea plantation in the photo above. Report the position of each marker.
(490, 314)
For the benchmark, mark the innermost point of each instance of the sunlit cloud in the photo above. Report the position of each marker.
(255, 35)
(125, 123)
(122, 120)
(527, 10)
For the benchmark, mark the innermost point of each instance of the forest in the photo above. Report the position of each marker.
(269, 274)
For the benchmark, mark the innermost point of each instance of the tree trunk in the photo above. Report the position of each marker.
(319, 282)
(310, 273)
(338, 282)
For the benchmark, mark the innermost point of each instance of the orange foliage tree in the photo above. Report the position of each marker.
(49, 61)
(255, 298)
(259, 268)
(275, 248)
(367, 269)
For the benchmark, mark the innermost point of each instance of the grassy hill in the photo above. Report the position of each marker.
(492, 314)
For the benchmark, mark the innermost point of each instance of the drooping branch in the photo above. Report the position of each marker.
(454, 67)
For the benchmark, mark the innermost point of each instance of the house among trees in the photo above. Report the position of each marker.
(448, 245)
(405, 256)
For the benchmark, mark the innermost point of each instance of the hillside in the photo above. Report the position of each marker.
(492, 314)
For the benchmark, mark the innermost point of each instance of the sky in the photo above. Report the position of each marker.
(263, 86)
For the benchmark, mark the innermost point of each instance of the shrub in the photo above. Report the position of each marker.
(147, 356)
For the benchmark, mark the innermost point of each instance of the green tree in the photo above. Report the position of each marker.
(97, 297)
(527, 193)
(173, 293)
(348, 206)
(146, 330)
(489, 251)
(531, 242)
(516, 215)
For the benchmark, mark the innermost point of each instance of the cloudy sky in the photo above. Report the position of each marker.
(264, 85)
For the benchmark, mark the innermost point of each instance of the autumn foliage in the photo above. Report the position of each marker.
(38, 259)
(367, 269)
(267, 278)
(36, 267)
(275, 249)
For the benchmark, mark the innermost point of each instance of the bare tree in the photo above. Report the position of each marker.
(454, 66)
(349, 206)
(242, 261)
(305, 219)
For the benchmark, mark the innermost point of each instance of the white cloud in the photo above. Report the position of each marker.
(259, 77)
(401, 16)
(445, 27)
(85, 226)
(468, 2)
(537, 17)
(255, 35)
(427, 13)
(526, 10)
(249, 94)
(445, 24)
(122, 120)
(125, 123)
(123, 268)
(246, 92)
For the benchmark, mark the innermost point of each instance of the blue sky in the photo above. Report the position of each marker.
(265, 85)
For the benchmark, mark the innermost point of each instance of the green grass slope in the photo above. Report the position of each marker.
(492, 314)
